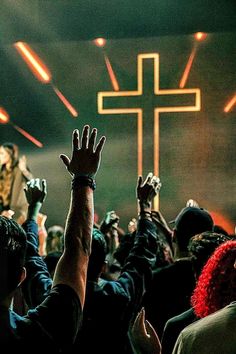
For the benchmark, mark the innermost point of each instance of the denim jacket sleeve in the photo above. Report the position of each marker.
(136, 274)
(38, 282)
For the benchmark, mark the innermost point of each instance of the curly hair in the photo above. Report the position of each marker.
(202, 246)
(216, 286)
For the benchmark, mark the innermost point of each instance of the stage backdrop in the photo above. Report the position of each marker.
(197, 147)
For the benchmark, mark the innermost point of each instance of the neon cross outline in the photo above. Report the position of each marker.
(139, 92)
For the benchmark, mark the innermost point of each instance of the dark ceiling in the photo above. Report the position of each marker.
(50, 20)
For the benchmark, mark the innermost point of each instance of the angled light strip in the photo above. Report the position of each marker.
(27, 135)
(41, 72)
(199, 37)
(139, 111)
(4, 119)
(70, 108)
(230, 104)
(187, 68)
(33, 61)
(111, 74)
(101, 42)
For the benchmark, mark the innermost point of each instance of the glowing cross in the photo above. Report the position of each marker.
(167, 95)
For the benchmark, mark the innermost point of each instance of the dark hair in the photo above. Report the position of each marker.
(13, 150)
(189, 222)
(51, 261)
(124, 247)
(12, 255)
(98, 254)
(220, 230)
(202, 246)
(216, 285)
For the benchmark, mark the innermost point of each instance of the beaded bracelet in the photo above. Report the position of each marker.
(83, 181)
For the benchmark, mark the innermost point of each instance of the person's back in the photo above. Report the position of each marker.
(170, 292)
(105, 327)
(172, 286)
(201, 247)
(17, 332)
(215, 288)
(214, 334)
(53, 324)
(110, 306)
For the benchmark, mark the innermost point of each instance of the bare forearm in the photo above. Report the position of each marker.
(78, 237)
(83, 166)
(79, 222)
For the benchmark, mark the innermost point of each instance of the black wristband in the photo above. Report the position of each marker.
(83, 181)
(144, 213)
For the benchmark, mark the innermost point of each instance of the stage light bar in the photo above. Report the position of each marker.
(35, 64)
(187, 68)
(230, 104)
(5, 118)
(41, 72)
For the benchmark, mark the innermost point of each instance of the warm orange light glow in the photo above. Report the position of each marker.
(41, 72)
(64, 100)
(230, 104)
(111, 74)
(187, 68)
(36, 65)
(4, 116)
(223, 221)
(100, 42)
(28, 136)
(200, 36)
(139, 111)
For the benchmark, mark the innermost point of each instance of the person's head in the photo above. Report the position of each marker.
(216, 286)
(51, 260)
(97, 259)
(9, 154)
(189, 222)
(55, 240)
(124, 247)
(12, 256)
(202, 246)
(220, 230)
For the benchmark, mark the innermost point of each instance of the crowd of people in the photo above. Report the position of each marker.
(88, 287)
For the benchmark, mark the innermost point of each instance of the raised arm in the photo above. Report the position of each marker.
(38, 282)
(143, 337)
(24, 168)
(83, 166)
(146, 191)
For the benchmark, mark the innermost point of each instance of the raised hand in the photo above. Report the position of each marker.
(8, 213)
(86, 155)
(143, 336)
(36, 191)
(158, 218)
(192, 203)
(111, 220)
(22, 164)
(147, 190)
(132, 225)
